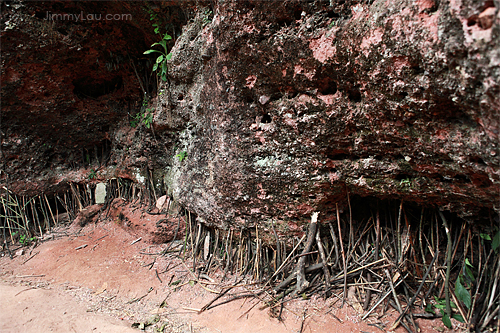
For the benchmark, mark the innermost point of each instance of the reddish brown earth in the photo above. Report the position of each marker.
(57, 287)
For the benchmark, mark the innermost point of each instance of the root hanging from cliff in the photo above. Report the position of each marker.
(422, 262)
(396, 257)
(25, 219)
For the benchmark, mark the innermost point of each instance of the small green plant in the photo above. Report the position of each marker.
(182, 155)
(92, 174)
(441, 306)
(207, 16)
(145, 118)
(495, 241)
(154, 17)
(25, 240)
(405, 182)
(160, 66)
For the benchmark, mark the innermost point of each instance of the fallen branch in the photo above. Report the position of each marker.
(302, 282)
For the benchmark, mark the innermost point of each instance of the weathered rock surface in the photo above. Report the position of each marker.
(273, 110)
(290, 105)
(70, 82)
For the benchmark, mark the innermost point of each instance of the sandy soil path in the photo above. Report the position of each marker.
(32, 309)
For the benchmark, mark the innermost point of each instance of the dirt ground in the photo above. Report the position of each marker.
(97, 279)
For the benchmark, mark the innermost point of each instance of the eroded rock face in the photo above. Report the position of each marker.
(289, 106)
(273, 109)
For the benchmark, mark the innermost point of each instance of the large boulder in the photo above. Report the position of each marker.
(291, 106)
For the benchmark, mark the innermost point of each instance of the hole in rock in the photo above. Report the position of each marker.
(477, 159)
(338, 157)
(266, 119)
(342, 156)
(333, 14)
(472, 20)
(354, 95)
(417, 70)
(329, 88)
(403, 176)
(403, 94)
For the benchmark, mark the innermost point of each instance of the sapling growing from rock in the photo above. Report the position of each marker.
(160, 65)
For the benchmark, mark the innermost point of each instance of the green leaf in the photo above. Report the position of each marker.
(161, 43)
(446, 321)
(467, 262)
(151, 51)
(485, 236)
(496, 241)
(469, 273)
(167, 37)
(170, 56)
(191, 283)
(428, 308)
(440, 306)
(155, 67)
(459, 318)
(159, 59)
(462, 293)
